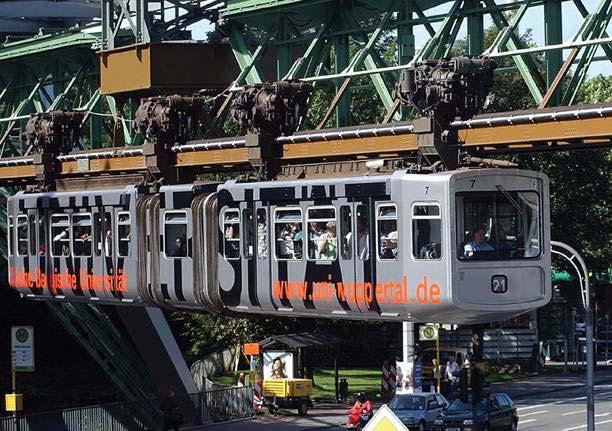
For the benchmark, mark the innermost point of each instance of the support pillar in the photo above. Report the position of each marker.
(408, 341)
(341, 61)
(405, 34)
(553, 34)
(475, 28)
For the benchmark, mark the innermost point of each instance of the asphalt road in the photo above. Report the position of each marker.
(565, 410)
(547, 405)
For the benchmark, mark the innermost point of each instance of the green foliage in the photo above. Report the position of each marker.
(207, 333)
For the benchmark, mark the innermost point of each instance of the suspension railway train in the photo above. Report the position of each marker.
(462, 246)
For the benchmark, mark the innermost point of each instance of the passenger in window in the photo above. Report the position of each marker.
(388, 241)
(285, 238)
(42, 250)
(478, 243)
(179, 248)
(328, 242)
(297, 235)
(315, 230)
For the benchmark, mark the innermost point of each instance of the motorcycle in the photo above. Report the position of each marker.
(357, 419)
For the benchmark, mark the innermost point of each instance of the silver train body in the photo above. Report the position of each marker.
(455, 247)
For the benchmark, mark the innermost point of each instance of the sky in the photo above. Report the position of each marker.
(533, 19)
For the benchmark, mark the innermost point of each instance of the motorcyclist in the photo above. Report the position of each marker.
(364, 406)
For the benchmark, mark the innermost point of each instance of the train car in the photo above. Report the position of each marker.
(75, 246)
(461, 246)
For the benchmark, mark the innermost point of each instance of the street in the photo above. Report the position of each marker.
(547, 403)
(565, 410)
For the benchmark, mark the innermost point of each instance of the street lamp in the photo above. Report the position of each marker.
(572, 256)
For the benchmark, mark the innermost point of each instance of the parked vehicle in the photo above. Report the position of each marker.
(288, 393)
(418, 411)
(494, 413)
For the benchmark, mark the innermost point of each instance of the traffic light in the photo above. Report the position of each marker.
(476, 385)
(464, 385)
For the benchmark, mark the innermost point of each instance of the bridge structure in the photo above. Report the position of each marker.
(87, 80)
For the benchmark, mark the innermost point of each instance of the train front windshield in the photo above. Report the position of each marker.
(500, 225)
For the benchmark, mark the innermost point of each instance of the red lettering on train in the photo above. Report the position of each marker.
(55, 281)
(360, 293)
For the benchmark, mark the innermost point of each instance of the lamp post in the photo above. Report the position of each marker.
(574, 258)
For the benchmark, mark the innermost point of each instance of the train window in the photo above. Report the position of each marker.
(322, 236)
(289, 233)
(175, 234)
(247, 223)
(388, 238)
(60, 234)
(42, 235)
(426, 231)
(108, 235)
(22, 235)
(262, 233)
(32, 234)
(363, 232)
(124, 239)
(346, 232)
(231, 234)
(498, 225)
(9, 237)
(81, 234)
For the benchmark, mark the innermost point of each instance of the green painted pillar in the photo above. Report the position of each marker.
(283, 54)
(405, 34)
(553, 34)
(475, 28)
(341, 61)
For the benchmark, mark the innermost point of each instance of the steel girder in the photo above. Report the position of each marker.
(320, 30)
(56, 72)
(132, 22)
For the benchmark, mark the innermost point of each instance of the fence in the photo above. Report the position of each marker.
(196, 409)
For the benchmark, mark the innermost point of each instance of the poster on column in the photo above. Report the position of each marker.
(404, 371)
(22, 348)
(278, 365)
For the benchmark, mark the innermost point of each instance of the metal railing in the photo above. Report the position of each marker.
(195, 409)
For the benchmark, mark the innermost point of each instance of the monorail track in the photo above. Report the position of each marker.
(564, 128)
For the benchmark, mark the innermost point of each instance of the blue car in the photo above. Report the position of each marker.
(494, 413)
(418, 411)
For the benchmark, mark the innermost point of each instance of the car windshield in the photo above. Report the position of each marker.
(458, 405)
(407, 402)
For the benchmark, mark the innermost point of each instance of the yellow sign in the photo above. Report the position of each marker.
(385, 420)
(14, 402)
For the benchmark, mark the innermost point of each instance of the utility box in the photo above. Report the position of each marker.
(167, 68)
(286, 388)
(14, 402)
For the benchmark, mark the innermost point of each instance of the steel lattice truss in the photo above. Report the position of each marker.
(324, 42)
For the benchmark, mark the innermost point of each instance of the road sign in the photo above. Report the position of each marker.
(385, 420)
(428, 333)
(22, 348)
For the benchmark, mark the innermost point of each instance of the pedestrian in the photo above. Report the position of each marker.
(170, 412)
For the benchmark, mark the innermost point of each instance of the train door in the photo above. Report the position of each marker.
(97, 271)
(82, 254)
(390, 288)
(60, 238)
(263, 257)
(356, 228)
